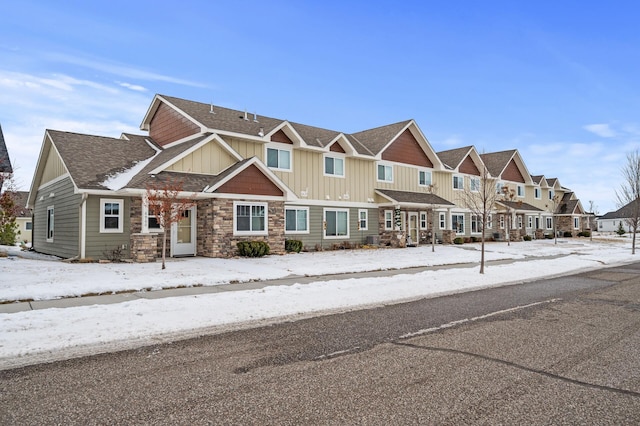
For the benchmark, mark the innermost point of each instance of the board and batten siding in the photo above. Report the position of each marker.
(209, 159)
(53, 167)
(99, 245)
(66, 207)
(315, 237)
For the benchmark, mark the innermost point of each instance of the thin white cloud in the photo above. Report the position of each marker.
(602, 130)
(134, 87)
(120, 70)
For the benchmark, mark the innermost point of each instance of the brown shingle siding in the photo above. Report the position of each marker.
(250, 181)
(167, 125)
(406, 149)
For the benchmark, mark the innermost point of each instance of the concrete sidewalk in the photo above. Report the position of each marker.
(106, 299)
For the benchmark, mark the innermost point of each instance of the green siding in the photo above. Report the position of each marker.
(97, 243)
(66, 219)
(316, 229)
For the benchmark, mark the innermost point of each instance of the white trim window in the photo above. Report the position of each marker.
(489, 221)
(537, 193)
(442, 221)
(111, 215)
(501, 221)
(549, 222)
(499, 186)
(457, 223)
(551, 194)
(333, 165)
(150, 221)
(50, 224)
(279, 156)
(576, 223)
(424, 224)
(424, 178)
(363, 219)
(458, 182)
(476, 224)
(519, 222)
(296, 220)
(250, 218)
(385, 172)
(336, 223)
(474, 184)
(388, 220)
(530, 222)
(520, 191)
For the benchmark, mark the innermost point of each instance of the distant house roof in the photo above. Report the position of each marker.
(623, 212)
(515, 205)
(5, 161)
(21, 204)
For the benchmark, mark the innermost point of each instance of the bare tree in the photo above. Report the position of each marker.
(167, 204)
(629, 194)
(554, 203)
(593, 213)
(480, 197)
(433, 189)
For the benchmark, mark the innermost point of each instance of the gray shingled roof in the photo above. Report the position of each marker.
(5, 161)
(623, 212)
(453, 157)
(497, 161)
(537, 179)
(515, 205)
(376, 139)
(91, 159)
(567, 205)
(21, 204)
(414, 197)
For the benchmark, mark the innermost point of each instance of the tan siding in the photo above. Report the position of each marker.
(53, 167)
(209, 159)
(246, 149)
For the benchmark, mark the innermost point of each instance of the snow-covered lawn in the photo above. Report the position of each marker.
(32, 336)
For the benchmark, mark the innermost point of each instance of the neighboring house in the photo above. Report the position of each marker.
(259, 178)
(5, 162)
(23, 217)
(611, 221)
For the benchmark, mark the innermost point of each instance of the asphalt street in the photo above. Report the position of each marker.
(559, 351)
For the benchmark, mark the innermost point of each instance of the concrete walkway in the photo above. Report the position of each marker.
(105, 299)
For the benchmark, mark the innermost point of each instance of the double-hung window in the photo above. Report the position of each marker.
(296, 220)
(333, 166)
(424, 177)
(576, 223)
(385, 173)
(336, 223)
(520, 191)
(50, 224)
(279, 157)
(388, 220)
(458, 182)
(442, 221)
(499, 186)
(363, 215)
(551, 194)
(474, 184)
(423, 220)
(476, 223)
(111, 215)
(537, 193)
(549, 222)
(249, 218)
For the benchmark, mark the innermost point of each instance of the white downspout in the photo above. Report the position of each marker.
(83, 226)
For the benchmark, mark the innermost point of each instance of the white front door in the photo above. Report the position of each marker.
(183, 234)
(412, 230)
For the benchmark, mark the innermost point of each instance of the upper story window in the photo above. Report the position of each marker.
(551, 194)
(499, 186)
(537, 193)
(520, 190)
(279, 157)
(111, 215)
(474, 184)
(333, 165)
(385, 172)
(458, 182)
(424, 177)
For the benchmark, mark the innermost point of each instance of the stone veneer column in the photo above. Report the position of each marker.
(143, 247)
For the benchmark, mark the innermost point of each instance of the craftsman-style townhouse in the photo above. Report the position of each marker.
(258, 178)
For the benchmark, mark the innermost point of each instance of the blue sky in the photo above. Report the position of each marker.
(556, 80)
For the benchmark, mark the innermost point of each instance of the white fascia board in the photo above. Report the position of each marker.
(332, 203)
(155, 104)
(297, 139)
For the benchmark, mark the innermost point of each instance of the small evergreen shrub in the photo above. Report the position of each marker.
(527, 238)
(458, 240)
(568, 234)
(549, 236)
(293, 246)
(584, 234)
(253, 248)
(620, 231)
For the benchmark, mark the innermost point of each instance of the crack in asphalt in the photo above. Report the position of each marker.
(522, 367)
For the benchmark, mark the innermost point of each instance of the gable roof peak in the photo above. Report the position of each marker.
(5, 161)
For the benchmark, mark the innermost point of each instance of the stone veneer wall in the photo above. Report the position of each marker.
(144, 247)
(215, 228)
(390, 238)
(565, 223)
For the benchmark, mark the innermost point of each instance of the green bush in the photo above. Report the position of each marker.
(620, 231)
(568, 234)
(549, 236)
(253, 248)
(293, 246)
(584, 234)
(527, 238)
(458, 240)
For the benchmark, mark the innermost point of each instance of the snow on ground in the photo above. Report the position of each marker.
(56, 333)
